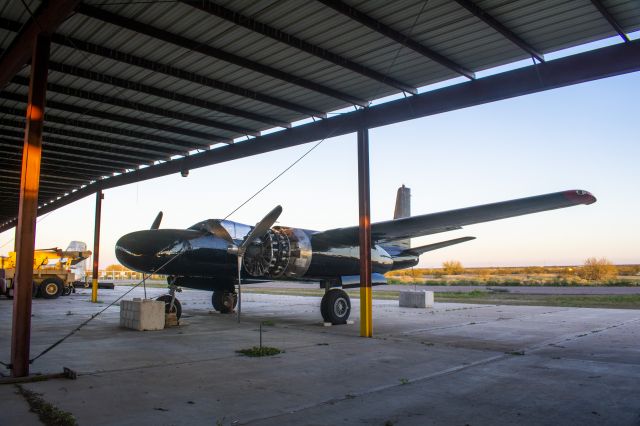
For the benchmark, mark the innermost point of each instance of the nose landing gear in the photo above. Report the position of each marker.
(172, 304)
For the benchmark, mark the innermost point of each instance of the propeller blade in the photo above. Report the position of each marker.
(260, 229)
(215, 228)
(156, 222)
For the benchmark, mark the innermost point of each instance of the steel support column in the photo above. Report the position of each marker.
(28, 208)
(96, 247)
(366, 320)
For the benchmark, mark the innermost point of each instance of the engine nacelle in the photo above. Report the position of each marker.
(282, 253)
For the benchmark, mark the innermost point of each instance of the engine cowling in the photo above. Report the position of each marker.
(282, 253)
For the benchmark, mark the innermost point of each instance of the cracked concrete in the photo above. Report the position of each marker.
(453, 364)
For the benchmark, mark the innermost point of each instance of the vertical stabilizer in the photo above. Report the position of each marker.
(403, 203)
(403, 209)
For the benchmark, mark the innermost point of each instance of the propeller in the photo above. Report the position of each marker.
(156, 222)
(261, 228)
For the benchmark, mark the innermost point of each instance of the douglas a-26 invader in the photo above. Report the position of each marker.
(217, 254)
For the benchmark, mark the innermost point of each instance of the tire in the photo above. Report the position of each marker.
(67, 290)
(51, 288)
(335, 306)
(222, 301)
(177, 307)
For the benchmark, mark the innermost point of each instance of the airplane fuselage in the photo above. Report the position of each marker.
(199, 259)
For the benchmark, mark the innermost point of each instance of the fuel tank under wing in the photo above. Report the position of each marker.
(434, 223)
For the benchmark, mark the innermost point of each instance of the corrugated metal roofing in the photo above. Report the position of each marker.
(131, 84)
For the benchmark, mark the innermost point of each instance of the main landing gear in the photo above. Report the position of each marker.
(335, 306)
(224, 301)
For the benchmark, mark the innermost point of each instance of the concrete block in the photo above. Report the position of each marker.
(416, 299)
(142, 315)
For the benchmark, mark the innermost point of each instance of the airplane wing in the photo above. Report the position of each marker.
(434, 223)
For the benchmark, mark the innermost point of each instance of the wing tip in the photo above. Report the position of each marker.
(580, 196)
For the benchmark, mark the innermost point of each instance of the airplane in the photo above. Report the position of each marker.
(220, 255)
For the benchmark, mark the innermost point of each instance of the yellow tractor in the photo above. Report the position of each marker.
(52, 272)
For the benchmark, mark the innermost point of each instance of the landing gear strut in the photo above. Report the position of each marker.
(335, 306)
(224, 301)
(172, 304)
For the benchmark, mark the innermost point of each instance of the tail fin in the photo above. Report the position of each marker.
(403, 203)
(402, 210)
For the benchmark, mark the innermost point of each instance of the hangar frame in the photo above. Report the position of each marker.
(137, 91)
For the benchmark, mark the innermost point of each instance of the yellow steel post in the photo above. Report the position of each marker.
(96, 247)
(366, 319)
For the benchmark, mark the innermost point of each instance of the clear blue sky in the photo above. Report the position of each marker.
(585, 136)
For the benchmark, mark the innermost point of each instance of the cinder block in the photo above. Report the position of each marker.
(416, 299)
(142, 314)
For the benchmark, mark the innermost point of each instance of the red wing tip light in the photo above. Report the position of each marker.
(580, 196)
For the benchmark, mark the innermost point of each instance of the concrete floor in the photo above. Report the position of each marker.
(456, 364)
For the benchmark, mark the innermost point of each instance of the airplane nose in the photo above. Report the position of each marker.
(146, 250)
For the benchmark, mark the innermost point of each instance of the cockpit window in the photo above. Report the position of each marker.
(237, 231)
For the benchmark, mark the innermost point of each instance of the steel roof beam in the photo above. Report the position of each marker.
(397, 36)
(293, 41)
(117, 155)
(499, 27)
(60, 176)
(52, 165)
(612, 21)
(46, 19)
(66, 156)
(148, 30)
(161, 93)
(49, 184)
(137, 61)
(123, 119)
(181, 146)
(583, 67)
(136, 106)
(104, 141)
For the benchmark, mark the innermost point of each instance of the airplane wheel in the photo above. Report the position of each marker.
(224, 301)
(335, 306)
(177, 307)
(67, 290)
(51, 288)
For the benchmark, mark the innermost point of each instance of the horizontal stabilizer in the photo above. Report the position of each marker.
(417, 251)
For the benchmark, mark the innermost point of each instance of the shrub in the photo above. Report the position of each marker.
(452, 267)
(597, 269)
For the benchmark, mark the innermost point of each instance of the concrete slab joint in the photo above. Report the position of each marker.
(142, 315)
(416, 299)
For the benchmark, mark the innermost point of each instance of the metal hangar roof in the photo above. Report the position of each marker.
(139, 87)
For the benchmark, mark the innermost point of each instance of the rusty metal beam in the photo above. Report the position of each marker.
(501, 28)
(28, 207)
(364, 198)
(295, 42)
(212, 139)
(45, 20)
(396, 36)
(213, 52)
(611, 19)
